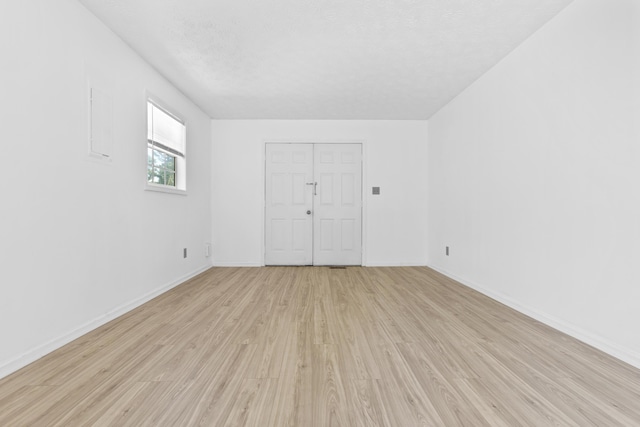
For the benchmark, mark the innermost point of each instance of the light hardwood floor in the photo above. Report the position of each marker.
(314, 346)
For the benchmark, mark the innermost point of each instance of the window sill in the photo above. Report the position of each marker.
(165, 189)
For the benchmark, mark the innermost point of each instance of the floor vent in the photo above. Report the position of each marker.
(337, 267)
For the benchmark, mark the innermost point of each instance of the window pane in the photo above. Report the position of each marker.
(151, 176)
(161, 159)
(159, 162)
(162, 176)
(171, 163)
(157, 176)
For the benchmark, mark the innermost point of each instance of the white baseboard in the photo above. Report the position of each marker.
(615, 350)
(236, 264)
(46, 348)
(395, 264)
(375, 264)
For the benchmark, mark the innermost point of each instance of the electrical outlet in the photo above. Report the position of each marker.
(207, 249)
(184, 253)
(446, 251)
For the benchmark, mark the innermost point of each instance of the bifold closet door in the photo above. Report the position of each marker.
(313, 204)
(289, 204)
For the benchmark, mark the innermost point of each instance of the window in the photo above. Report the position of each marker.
(166, 140)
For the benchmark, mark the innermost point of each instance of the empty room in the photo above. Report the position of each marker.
(320, 213)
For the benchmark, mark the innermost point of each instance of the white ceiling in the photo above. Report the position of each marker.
(323, 59)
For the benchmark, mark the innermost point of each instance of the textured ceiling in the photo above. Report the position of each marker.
(323, 59)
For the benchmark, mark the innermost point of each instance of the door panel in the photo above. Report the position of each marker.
(288, 227)
(338, 208)
(348, 190)
(326, 183)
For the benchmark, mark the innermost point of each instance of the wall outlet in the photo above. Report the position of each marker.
(184, 253)
(207, 249)
(446, 250)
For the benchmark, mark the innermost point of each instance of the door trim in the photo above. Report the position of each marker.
(365, 184)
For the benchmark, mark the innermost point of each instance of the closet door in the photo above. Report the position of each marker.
(337, 217)
(289, 204)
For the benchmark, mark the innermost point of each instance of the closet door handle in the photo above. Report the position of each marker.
(315, 187)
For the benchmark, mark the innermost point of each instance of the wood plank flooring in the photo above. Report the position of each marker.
(314, 346)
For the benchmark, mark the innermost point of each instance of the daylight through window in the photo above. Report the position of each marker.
(166, 135)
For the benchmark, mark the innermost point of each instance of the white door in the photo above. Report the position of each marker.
(337, 217)
(289, 204)
(313, 204)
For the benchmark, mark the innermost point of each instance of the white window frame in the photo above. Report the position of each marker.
(180, 162)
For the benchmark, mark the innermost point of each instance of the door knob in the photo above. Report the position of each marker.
(308, 212)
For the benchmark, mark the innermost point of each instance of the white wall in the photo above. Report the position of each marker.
(394, 159)
(81, 241)
(534, 177)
